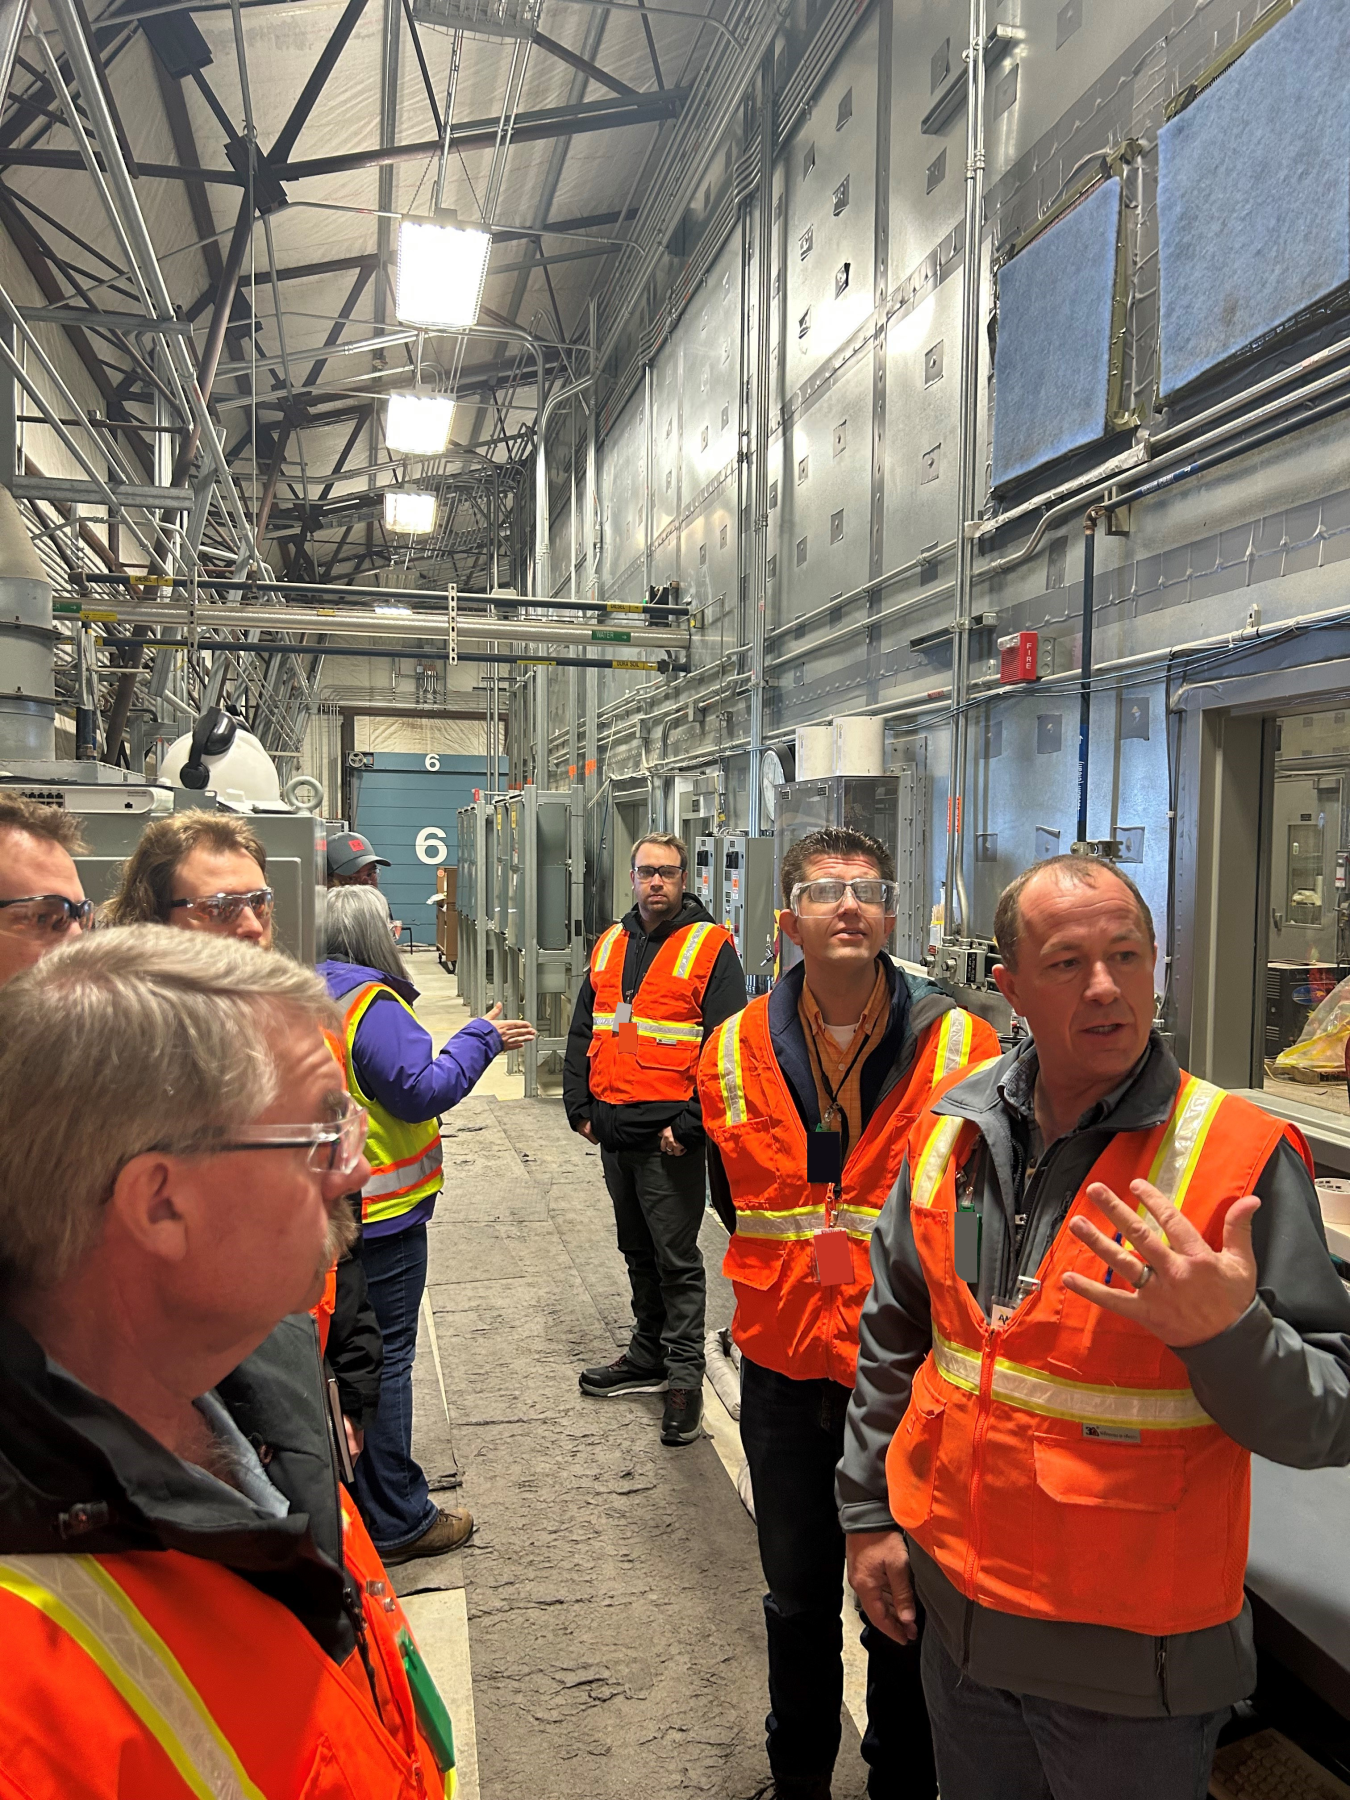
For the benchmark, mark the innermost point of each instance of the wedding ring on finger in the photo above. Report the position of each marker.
(1142, 1279)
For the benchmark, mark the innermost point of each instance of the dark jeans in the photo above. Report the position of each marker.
(793, 1435)
(658, 1208)
(993, 1745)
(390, 1489)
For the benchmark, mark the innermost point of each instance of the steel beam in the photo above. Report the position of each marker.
(584, 66)
(481, 134)
(55, 487)
(318, 78)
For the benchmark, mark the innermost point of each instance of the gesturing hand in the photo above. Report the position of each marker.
(1192, 1293)
(514, 1033)
(878, 1573)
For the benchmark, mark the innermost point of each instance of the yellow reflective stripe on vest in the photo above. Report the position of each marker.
(603, 948)
(926, 1175)
(1177, 1155)
(401, 1178)
(80, 1596)
(858, 1221)
(933, 1160)
(684, 963)
(729, 1072)
(796, 1222)
(1081, 1402)
(954, 1039)
(671, 1031)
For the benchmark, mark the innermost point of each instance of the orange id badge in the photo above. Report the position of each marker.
(626, 1034)
(834, 1259)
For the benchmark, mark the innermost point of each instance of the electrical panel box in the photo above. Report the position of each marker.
(747, 908)
(705, 880)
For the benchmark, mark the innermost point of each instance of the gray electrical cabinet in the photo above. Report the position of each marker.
(747, 907)
(705, 875)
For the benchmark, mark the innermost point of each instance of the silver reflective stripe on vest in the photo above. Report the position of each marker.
(79, 1595)
(933, 1159)
(1175, 1162)
(957, 1030)
(1032, 1390)
(799, 1222)
(860, 1220)
(407, 1175)
(685, 961)
(729, 1071)
(606, 944)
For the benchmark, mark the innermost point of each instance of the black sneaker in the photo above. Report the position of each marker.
(621, 1377)
(682, 1421)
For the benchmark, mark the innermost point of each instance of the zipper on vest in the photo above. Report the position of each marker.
(1160, 1665)
(354, 1608)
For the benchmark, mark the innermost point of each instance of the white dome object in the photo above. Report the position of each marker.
(244, 772)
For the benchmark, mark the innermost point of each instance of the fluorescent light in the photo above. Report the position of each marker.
(412, 514)
(441, 269)
(394, 612)
(418, 424)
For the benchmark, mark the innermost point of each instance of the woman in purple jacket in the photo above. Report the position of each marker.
(394, 1070)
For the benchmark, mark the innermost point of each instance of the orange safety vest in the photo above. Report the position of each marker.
(785, 1319)
(1059, 1466)
(654, 1055)
(155, 1675)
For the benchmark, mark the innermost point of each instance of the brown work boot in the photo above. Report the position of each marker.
(450, 1530)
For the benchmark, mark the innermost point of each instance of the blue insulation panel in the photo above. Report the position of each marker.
(1254, 194)
(1054, 338)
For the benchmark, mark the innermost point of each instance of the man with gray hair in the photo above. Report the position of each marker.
(178, 1143)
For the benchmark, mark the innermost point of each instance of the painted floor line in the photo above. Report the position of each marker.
(726, 1436)
(440, 1623)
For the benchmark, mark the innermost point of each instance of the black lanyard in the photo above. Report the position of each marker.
(834, 1106)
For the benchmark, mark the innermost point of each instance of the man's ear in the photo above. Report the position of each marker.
(1006, 983)
(145, 1209)
(791, 926)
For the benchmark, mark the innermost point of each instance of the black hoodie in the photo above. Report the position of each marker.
(639, 1126)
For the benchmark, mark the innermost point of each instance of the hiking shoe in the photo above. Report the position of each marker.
(682, 1421)
(450, 1530)
(621, 1377)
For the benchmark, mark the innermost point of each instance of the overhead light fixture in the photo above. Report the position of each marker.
(411, 514)
(441, 270)
(394, 612)
(419, 424)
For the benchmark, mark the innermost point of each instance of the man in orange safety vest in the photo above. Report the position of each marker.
(1099, 1285)
(189, 1603)
(808, 1096)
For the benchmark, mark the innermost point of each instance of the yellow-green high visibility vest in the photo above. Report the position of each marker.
(405, 1160)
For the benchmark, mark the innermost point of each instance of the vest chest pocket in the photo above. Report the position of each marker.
(677, 1055)
(754, 1262)
(911, 1462)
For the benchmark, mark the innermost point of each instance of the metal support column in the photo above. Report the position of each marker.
(967, 456)
(760, 584)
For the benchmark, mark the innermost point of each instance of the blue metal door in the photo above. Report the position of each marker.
(406, 806)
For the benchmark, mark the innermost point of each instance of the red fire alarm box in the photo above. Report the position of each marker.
(1019, 657)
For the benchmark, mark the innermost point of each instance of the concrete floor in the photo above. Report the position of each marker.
(601, 1638)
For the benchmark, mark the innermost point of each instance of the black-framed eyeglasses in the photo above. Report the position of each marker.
(827, 895)
(334, 1147)
(225, 909)
(38, 913)
(666, 872)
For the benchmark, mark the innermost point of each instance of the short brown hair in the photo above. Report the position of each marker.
(37, 819)
(1077, 871)
(834, 840)
(667, 840)
(147, 874)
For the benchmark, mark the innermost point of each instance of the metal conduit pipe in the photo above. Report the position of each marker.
(27, 643)
(957, 908)
(382, 626)
(760, 570)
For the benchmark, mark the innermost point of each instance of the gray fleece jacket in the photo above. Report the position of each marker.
(1278, 1380)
